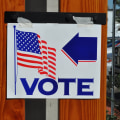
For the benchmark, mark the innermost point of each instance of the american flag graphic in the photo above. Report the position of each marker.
(32, 52)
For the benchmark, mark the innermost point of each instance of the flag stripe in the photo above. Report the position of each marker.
(29, 66)
(45, 62)
(52, 77)
(44, 47)
(27, 55)
(52, 72)
(44, 72)
(51, 53)
(43, 41)
(52, 62)
(49, 48)
(38, 36)
(52, 58)
(29, 61)
(49, 61)
(44, 52)
(44, 57)
(39, 41)
(51, 67)
(45, 67)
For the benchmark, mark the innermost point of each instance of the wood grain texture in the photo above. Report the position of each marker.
(87, 109)
(9, 109)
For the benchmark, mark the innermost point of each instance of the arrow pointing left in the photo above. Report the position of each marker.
(81, 49)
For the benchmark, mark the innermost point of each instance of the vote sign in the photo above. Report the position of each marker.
(53, 61)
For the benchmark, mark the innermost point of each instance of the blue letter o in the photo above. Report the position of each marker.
(53, 82)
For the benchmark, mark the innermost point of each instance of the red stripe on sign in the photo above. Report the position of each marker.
(51, 67)
(52, 77)
(44, 62)
(52, 53)
(44, 47)
(43, 41)
(29, 61)
(68, 57)
(52, 62)
(29, 66)
(52, 58)
(44, 57)
(43, 72)
(44, 52)
(46, 68)
(52, 49)
(52, 72)
(39, 41)
(27, 55)
(38, 36)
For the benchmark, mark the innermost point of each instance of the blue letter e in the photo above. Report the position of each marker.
(29, 90)
(81, 86)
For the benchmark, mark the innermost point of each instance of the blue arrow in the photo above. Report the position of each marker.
(81, 49)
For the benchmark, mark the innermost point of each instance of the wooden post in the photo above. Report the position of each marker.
(9, 109)
(87, 109)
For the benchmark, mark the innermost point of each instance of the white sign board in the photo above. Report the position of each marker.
(53, 61)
